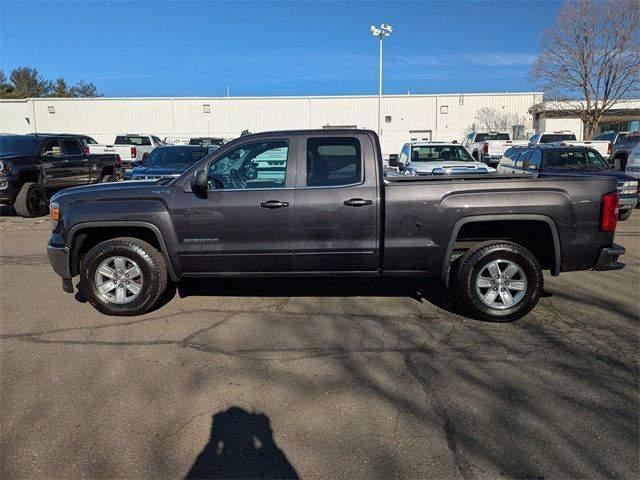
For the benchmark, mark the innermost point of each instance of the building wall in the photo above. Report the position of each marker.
(439, 117)
(556, 124)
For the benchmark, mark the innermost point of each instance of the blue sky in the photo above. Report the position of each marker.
(185, 48)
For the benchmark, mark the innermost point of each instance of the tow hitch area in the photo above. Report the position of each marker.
(608, 258)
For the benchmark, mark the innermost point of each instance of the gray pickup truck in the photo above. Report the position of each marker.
(314, 203)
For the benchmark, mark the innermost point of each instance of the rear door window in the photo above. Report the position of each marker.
(71, 147)
(333, 162)
(133, 140)
(557, 137)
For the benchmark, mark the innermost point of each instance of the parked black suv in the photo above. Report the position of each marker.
(547, 159)
(31, 165)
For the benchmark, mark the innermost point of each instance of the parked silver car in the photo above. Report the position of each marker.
(437, 158)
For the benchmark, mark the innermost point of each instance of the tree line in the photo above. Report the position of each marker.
(26, 82)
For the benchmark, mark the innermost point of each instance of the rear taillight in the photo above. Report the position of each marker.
(134, 152)
(118, 161)
(609, 148)
(86, 149)
(609, 215)
(485, 147)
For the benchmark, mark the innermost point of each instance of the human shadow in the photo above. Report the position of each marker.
(241, 446)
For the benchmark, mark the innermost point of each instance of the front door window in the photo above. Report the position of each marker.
(256, 165)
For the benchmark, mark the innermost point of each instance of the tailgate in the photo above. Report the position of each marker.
(498, 147)
(123, 150)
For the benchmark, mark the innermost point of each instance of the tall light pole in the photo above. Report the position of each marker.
(383, 31)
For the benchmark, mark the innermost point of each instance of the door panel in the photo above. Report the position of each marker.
(77, 163)
(56, 166)
(335, 220)
(244, 222)
(229, 231)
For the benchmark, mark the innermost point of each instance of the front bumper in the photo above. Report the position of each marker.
(627, 202)
(9, 187)
(492, 160)
(59, 260)
(608, 258)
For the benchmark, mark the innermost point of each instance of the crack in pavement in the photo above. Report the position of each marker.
(448, 426)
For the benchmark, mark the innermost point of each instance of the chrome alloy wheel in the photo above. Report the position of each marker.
(119, 280)
(501, 284)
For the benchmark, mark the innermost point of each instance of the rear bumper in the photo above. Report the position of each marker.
(608, 258)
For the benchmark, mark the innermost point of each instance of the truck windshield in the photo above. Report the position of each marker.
(588, 160)
(132, 140)
(483, 137)
(439, 153)
(628, 139)
(18, 145)
(556, 137)
(174, 156)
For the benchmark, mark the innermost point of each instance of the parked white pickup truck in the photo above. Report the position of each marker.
(132, 148)
(488, 147)
(568, 138)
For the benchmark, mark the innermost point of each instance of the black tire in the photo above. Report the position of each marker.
(31, 201)
(625, 214)
(153, 273)
(107, 179)
(479, 258)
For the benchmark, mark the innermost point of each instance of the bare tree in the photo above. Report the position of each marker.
(591, 55)
(495, 120)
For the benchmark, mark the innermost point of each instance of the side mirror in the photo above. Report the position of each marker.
(393, 160)
(199, 181)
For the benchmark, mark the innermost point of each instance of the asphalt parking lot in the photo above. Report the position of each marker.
(316, 379)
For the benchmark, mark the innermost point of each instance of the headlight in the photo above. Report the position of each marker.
(629, 187)
(5, 168)
(54, 211)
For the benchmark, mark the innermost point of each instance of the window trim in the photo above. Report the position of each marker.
(289, 173)
(301, 180)
(64, 150)
(46, 142)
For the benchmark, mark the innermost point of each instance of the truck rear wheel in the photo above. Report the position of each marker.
(123, 276)
(31, 201)
(107, 179)
(499, 282)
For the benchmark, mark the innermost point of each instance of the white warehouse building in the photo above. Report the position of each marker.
(404, 117)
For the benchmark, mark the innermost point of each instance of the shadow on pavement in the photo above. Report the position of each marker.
(241, 446)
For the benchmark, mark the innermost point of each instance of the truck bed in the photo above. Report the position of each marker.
(422, 214)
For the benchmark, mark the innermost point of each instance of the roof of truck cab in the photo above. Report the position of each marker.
(314, 131)
(438, 144)
(548, 146)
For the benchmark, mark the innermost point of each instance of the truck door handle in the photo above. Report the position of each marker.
(274, 204)
(357, 202)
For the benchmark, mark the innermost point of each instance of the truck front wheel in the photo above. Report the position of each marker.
(31, 200)
(499, 282)
(123, 276)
